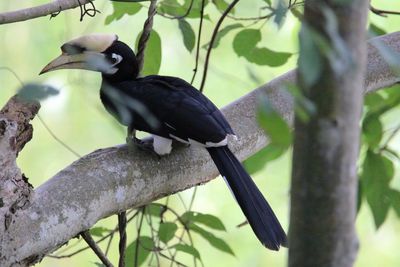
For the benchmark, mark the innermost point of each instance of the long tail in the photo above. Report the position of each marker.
(254, 206)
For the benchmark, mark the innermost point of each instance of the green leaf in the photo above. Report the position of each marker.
(377, 172)
(146, 244)
(214, 241)
(167, 231)
(188, 249)
(257, 162)
(36, 92)
(310, 60)
(171, 7)
(196, 8)
(280, 13)
(222, 5)
(122, 9)
(304, 108)
(245, 45)
(222, 33)
(155, 209)
(152, 54)
(205, 219)
(372, 131)
(274, 125)
(374, 30)
(268, 2)
(395, 201)
(174, 9)
(359, 195)
(297, 13)
(373, 101)
(188, 34)
(99, 231)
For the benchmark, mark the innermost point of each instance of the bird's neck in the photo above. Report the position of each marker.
(119, 77)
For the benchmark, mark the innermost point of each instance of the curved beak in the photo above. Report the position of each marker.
(87, 60)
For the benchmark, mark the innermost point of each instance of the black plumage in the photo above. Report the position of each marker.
(179, 108)
(172, 108)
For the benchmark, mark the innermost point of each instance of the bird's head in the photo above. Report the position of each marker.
(97, 52)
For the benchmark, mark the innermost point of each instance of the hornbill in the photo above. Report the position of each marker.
(170, 109)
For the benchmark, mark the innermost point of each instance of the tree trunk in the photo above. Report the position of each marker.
(324, 178)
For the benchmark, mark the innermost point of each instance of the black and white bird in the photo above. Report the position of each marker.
(170, 109)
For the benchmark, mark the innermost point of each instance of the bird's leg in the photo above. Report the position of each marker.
(131, 136)
(145, 145)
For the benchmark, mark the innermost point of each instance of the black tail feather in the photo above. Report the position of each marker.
(253, 204)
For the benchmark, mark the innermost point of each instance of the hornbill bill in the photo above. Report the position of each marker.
(170, 109)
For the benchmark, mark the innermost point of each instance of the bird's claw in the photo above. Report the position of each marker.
(144, 145)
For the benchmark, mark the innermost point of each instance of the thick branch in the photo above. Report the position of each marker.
(15, 132)
(114, 179)
(40, 11)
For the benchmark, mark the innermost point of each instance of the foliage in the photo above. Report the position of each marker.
(245, 45)
(245, 42)
(378, 159)
(168, 232)
(152, 54)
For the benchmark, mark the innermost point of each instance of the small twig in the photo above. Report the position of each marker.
(67, 147)
(191, 243)
(110, 235)
(139, 229)
(269, 15)
(122, 238)
(109, 243)
(171, 259)
(182, 201)
(152, 230)
(40, 11)
(147, 28)
(383, 13)
(91, 12)
(198, 41)
(192, 199)
(93, 245)
(291, 5)
(213, 37)
(390, 138)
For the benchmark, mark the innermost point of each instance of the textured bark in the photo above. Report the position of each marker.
(110, 180)
(324, 178)
(40, 11)
(15, 132)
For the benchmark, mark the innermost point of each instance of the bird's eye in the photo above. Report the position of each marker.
(115, 59)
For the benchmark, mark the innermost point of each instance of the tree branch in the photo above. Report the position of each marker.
(40, 11)
(383, 13)
(93, 245)
(211, 44)
(113, 179)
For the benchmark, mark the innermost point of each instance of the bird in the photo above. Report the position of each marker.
(170, 109)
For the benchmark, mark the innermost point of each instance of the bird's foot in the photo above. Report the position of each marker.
(144, 145)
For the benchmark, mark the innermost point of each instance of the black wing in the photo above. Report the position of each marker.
(181, 110)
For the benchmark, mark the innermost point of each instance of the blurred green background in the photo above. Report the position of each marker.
(77, 118)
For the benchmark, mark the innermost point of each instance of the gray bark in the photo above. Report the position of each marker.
(39, 11)
(324, 177)
(114, 179)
